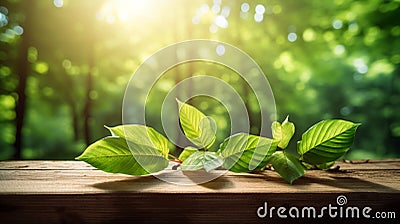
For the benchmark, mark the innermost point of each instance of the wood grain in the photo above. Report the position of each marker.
(74, 192)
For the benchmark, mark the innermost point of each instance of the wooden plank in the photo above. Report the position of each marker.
(73, 192)
(93, 181)
(182, 208)
(44, 165)
(385, 164)
(57, 178)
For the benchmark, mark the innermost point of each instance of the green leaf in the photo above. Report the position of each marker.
(322, 166)
(276, 130)
(308, 166)
(201, 159)
(326, 141)
(132, 149)
(112, 154)
(199, 128)
(244, 152)
(143, 136)
(283, 132)
(187, 152)
(288, 166)
(325, 166)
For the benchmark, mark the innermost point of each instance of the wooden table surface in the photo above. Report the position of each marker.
(74, 192)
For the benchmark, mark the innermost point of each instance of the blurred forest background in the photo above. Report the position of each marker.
(65, 64)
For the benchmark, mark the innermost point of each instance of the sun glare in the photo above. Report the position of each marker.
(124, 10)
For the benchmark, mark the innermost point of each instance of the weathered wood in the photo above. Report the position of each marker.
(74, 192)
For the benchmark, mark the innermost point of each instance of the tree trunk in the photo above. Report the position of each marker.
(22, 69)
(75, 121)
(87, 109)
(88, 103)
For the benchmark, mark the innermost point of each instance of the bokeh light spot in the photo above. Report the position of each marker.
(244, 15)
(353, 27)
(18, 30)
(225, 11)
(277, 9)
(41, 67)
(360, 65)
(309, 35)
(204, 8)
(339, 49)
(245, 7)
(58, 3)
(93, 94)
(220, 50)
(260, 9)
(3, 19)
(66, 64)
(337, 24)
(32, 54)
(221, 22)
(215, 9)
(258, 17)
(3, 10)
(292, 37)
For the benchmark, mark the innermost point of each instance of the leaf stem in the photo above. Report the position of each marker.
(176, 159)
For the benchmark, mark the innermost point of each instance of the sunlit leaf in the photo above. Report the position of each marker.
(326, 141)
(142, 135)
(202, 160)
(276, 130)
(197, 127)
(288, 166)
(244, 152)
(283, 132)
(187, 152)
(112, 154)
(132, 149)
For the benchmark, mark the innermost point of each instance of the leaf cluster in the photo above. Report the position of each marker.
(140, 150)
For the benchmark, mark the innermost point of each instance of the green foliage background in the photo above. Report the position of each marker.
(343, 61)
